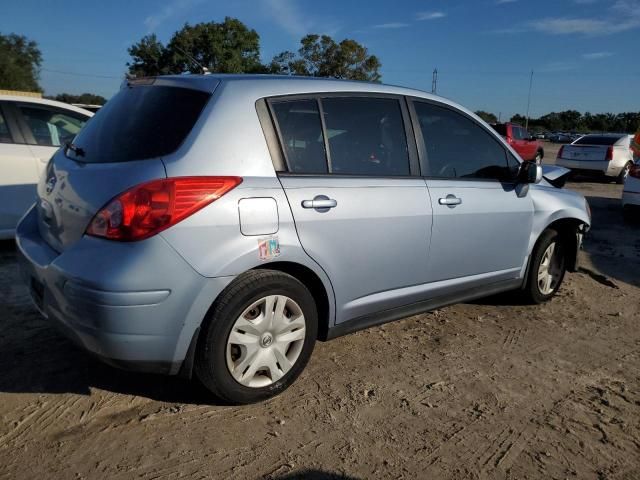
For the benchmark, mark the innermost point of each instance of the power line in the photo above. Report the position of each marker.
(79, 74)
(526, 123)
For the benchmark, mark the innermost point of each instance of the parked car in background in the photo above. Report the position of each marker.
(631, 194)
(224, 224)
(521, 141)
(561, 137)
(31, 130)
(605, 155)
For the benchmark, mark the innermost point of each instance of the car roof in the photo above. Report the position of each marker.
(44, 101)
(261, 86)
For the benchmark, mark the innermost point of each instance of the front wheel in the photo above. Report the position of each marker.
(547, 268)
(258, 337)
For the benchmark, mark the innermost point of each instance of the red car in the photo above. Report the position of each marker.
(522, 142)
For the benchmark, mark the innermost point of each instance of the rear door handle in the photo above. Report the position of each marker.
(450, 201)
(321, 203)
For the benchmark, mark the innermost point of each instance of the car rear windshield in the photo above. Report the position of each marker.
(139, 122)
(501, 128)
(597, 140)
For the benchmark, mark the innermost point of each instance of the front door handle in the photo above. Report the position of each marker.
(322, 203)
(450, 201)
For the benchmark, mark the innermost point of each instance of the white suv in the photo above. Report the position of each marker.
(31, 130)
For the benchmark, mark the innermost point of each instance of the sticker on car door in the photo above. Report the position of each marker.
(268, 248)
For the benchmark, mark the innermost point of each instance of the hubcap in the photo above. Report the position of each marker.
(550, 270)
(266, 341)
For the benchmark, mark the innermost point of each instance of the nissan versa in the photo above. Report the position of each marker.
(219, 225)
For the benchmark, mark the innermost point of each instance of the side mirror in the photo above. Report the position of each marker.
(529, 172)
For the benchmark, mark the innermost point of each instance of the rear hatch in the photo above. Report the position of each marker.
(121, 146)
(590, 148)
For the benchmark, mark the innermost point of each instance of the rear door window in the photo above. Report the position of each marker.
(140, 122)
(51, 126)
(301, 135)
(459, 148)
(366, 136)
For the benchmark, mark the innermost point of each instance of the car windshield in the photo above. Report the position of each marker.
(605, 140)
(139, 122)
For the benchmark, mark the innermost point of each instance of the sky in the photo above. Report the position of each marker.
(585, 54)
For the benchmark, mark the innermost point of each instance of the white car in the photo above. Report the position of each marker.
(31, 131)
(607, 155)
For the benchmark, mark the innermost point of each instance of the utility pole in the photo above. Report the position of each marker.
(434, 82)
(526, 125)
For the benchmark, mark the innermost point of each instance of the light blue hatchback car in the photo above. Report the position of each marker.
(219, 225)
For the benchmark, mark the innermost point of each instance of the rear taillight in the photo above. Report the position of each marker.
(560, 151)
(609, 156)
(635, 171)
(149, 208)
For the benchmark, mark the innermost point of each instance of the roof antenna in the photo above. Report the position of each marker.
(204, 70)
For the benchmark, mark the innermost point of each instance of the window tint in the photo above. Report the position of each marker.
(366, 136)
(516, 132)
(5, 136)
(52, 127)
(301, 134)
(457, 147)
(140, 122)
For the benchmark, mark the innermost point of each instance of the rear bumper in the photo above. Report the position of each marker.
(602, 168)
(134, 305)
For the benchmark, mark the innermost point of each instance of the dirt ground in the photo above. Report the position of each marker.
(491, 389)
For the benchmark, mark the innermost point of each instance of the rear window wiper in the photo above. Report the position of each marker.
(75, 149)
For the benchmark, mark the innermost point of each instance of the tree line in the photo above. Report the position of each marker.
(574, 121)
(232, 47)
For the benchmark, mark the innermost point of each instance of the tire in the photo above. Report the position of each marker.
(623, 174)
(241, 309)
(533, 291)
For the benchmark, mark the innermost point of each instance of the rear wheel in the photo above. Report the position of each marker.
(547, 268)
(258, 337)
(623, 174)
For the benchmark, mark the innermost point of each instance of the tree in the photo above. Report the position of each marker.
(519, 119)
(149, 57)
(487, 117)
(20, 60)
(321, 56)
(84, 98)
(226, 47)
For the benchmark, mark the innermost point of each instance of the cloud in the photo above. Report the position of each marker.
(288, 16)
(620, 16)
(596, 55)
(391, 25)
(176, 7)
(430, 15)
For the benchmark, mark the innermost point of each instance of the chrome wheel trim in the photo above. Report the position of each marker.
(265, 341)
(550, 270)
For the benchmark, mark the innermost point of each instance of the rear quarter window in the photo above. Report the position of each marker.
(140, 122)
(597, 140)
